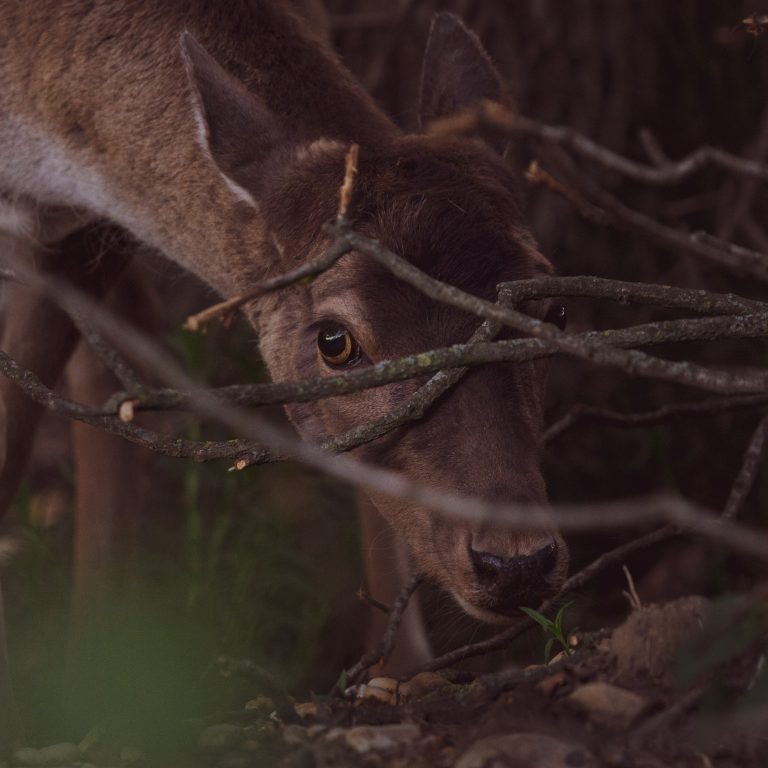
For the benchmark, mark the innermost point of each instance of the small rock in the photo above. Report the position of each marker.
(306, 709)
(61, 753)
(607, 704)
(557, 657)
(376, 738)
(382, 689)
(261, 706)
(251, 745)
(421, 685)
(129, 755)
(295, 734)
(549, 684)
(262, 732)
(216, 738)
(56, 754)
(27, 756)
(524, 750)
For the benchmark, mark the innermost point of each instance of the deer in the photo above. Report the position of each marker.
(217, 135)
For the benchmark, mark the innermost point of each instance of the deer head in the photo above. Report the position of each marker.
(450, 206)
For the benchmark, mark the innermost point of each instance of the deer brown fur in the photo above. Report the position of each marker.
(216, 134)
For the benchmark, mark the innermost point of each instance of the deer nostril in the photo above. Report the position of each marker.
(487, 566)
(515, 581)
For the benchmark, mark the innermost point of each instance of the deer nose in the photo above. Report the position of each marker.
(511, 582)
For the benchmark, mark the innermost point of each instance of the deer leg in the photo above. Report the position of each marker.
(111, 473)
(387, 571)
(41, 338)
(110, 485)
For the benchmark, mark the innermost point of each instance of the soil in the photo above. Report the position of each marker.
(671, 686)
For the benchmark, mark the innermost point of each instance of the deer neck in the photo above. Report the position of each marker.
(97, 104)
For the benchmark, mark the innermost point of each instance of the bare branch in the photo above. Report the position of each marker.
(473, 353)
(666, 296)
(306, 271)
(383, 649)
(746, 477)
(735, 258)
(568, 517)
(493, 115)
(630, 361)
(129, 379)
(648, 418)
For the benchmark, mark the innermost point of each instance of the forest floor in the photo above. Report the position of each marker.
(674, 685)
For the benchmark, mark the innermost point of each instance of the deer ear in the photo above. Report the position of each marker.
(457, 72)
(234, 127)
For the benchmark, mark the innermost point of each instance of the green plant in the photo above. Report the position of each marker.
(553, 628)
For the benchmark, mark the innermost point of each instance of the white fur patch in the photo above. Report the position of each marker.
(40, 169)
(241, 193)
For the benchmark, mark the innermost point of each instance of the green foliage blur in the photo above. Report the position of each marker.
(252, 566)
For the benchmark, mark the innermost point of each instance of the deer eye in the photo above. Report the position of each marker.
(337, 346)
(557, 315)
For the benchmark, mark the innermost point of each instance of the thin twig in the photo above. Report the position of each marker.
(494, 115)
(478, 352)
(631, 592)
(383, 649)
(659, 415)
(305, 272)
(666, 296)
(630, 361)
(737, 259)
(475, 352)
(129, 379)
(366, 597)
(302, 273)
(348, 185)
(748, 472)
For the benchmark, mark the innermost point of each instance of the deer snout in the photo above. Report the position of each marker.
(507, 583)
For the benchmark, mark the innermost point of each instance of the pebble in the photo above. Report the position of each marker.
(130, 755)
(295, 734)
(56, 754)
(216, 738)
(376, 738)
(524, 750)
(261, 705)
(306, 709)
(607, 704)
(422, 685)
(382, 689)
(550, 684)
